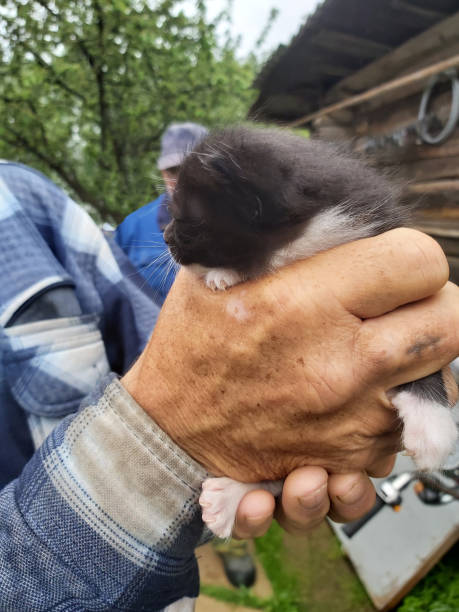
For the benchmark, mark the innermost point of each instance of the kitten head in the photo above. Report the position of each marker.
(244, 194)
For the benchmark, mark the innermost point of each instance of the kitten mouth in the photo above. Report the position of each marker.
(178, 257)
(174, 254)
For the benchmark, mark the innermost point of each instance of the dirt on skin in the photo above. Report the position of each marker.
(326, 580)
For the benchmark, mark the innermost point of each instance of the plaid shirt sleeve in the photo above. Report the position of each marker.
(104, 515)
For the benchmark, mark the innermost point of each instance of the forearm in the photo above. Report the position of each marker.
(105, 512)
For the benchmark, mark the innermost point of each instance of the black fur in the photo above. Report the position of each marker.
(244, 193)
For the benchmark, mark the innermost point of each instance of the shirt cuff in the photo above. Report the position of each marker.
(124, 476)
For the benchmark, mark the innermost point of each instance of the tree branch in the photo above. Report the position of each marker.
(56, 78)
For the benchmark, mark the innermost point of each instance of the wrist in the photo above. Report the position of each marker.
(166, 406)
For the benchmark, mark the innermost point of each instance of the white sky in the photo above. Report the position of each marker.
(250, 16)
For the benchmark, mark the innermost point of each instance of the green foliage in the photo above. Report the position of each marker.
(270, 551)
(88, 86)
(439, 591)
(240, 597)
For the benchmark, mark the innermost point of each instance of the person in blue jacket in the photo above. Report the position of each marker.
(140, 235)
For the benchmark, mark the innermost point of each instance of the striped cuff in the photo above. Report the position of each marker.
(127, 479)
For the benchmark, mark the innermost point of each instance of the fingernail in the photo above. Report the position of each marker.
(314, 499)
(354, 494)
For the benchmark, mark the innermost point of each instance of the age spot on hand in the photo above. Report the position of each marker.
(418, 347)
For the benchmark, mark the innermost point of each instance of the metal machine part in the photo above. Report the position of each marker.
(436, 488)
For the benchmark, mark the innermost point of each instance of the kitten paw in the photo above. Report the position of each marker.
(222, 278)
(429, 433)
(221, 497)
(219, 501)
(430, 449)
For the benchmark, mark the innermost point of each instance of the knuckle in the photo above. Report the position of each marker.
(380, 351)
(421, 251)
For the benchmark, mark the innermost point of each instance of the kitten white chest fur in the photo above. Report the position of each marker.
(326, 230)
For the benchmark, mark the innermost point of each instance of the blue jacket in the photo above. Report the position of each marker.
(140, 236)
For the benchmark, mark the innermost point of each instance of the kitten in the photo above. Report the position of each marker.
(248, 201)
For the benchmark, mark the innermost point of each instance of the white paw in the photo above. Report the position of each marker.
(221, 497)
(222, 278)
(429, 433)
(219, 501)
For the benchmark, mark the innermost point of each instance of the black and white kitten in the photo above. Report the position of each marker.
(248, 201)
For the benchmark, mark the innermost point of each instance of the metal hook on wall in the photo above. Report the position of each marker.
(424, 119)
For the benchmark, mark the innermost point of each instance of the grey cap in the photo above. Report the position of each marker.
(177, 141)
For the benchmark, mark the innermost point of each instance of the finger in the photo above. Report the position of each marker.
(382, 467)
(376, 275)
(415, 340)
(304, 502)
(351, 496)
(254, 514)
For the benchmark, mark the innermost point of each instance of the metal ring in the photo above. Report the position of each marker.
(450, 125)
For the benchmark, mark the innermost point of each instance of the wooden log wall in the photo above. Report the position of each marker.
(384, 128)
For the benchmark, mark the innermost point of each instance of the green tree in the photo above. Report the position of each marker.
(88, 86)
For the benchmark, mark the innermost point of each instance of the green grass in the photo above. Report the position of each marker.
(241, 597)
(270, 551)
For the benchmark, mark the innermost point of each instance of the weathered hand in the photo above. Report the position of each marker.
(290, 370)
(309, 494)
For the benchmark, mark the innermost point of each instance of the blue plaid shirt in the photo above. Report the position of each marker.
(98, 509)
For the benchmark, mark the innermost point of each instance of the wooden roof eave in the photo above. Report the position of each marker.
(417, 50)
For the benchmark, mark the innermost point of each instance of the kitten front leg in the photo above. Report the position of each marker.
(222, 278)
(220, 499)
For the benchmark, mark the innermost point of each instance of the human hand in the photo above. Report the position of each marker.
(309, 494)
(290, 370)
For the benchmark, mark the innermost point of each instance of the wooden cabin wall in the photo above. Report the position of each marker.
(423, 166)
(430, 172)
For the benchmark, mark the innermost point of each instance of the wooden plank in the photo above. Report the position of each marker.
(434, 187)
(430, 169)
(417, 77)
(413, 88)
(348, 44)
(436, 206)
(336, 70)
(417, 49)
(453, 269)
(438, 227)
(399, 113)
(391, 155)
(417, 10)
(290, 104)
